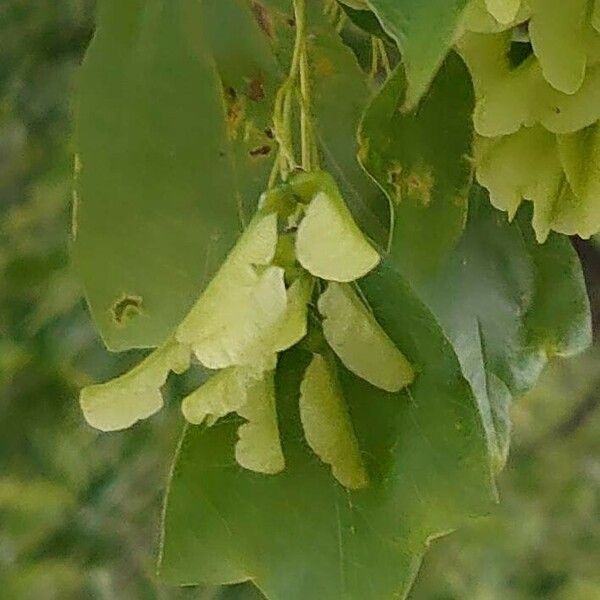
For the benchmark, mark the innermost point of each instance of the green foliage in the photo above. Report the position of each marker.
(381, 319)
(410, 22)
(498, 303)
(420, 159)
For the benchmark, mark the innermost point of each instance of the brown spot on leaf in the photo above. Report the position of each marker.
(394, 178)
(126, 308)
(416, 185)
(256, 89)
(260, 151)
(234, 112)
(419, 185)
(263, 18)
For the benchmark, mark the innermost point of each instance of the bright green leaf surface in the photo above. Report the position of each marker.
(421, 161)
(359, 341)
(411, 23)
(165, 116)
(327, 425)
(300, 535)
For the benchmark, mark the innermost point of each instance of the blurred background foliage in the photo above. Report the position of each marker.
(79, 511)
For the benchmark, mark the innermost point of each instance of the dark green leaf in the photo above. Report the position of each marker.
(508, 304)
(365, 20)
(421, 161)
(424, 31)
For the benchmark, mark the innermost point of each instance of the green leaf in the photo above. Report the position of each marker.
(300, 535)
(507, 305)
(164, 172)
(421, 161)
(559, 321)
(356, 4)
(366, 20)
(326, 423)
(250, 76)
(360, 342)
(410, 23)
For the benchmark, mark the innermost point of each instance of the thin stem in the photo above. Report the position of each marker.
(282, 126)
(300, 18)
(305, 123)
(297, 83)
(289, 136)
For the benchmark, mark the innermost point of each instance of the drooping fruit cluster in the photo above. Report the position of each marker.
(291, 273)
(536, 71)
